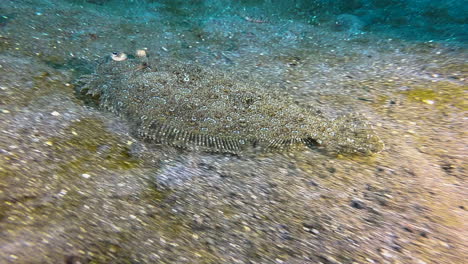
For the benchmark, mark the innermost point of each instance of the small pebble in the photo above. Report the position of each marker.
(386, 254)
(408, 229)
(444, 244)
(357, 204)
(55, 113)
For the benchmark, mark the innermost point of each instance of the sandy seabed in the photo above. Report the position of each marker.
(77, 187)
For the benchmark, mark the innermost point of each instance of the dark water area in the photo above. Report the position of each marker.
(233, 131)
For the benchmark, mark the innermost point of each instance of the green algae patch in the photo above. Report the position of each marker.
(43, 83)
(423, 95)
(154, 194)
(163, 222)
(89, 145)
(443, 95)
(107, 252)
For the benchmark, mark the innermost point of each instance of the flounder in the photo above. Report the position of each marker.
(205, 109)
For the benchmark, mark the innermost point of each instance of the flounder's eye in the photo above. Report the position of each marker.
(141, 53)
(118, 56)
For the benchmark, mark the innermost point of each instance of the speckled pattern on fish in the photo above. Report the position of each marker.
(205, 109)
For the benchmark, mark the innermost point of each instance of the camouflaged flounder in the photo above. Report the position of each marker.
(186, 106)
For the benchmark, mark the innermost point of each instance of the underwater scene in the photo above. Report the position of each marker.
(233, 131)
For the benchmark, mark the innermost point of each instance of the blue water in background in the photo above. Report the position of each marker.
(422, 20)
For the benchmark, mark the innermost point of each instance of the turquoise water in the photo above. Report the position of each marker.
(416, 20)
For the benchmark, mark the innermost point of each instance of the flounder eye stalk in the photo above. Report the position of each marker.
(118, 56)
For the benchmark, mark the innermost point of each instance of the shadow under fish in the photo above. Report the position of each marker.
(205, 109)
